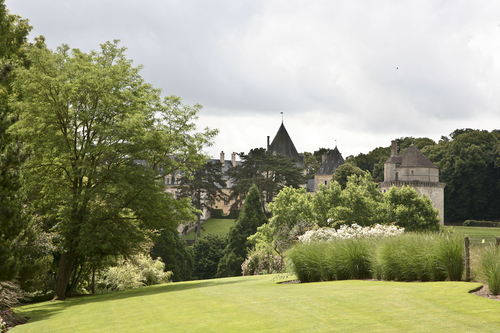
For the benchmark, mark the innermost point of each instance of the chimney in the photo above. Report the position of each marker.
(268, 143)
(233, 159)
(323, 158)
(222, 161)
(394, 148)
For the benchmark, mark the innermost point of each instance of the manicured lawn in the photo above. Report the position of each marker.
(212, 226)
(260, 304)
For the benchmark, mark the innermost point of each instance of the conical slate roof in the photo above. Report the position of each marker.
(282, 144)
(332, 162)
(412, 157)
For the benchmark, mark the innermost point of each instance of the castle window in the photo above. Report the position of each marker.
(167, 180)
(396, 175)
(412, 172)
(326, 183)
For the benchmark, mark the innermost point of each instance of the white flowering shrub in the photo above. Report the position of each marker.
(262, 261)
(140, 271)
(353, 231)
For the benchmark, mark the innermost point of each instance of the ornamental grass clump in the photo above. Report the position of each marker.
(407, 258)
(351, 258)
(420, 257)
(489, 267)
(310, 262)
(336, 260)
(449, 251)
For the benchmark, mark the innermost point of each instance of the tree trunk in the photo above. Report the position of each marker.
(63, 275)
(198, 226)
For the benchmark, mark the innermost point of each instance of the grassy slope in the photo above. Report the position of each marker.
(259, 304)
(212, 226)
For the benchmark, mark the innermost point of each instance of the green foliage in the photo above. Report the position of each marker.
(269, 172)
(251, 217)
(263, 260)
(175, 253)
(13, 33)
(207, 252)
(469, 165)
(324, 200)
(489, 263)
(408, 210)
(100, 135)
(219, 214)
(343, 172)
(292, 215)
(360, 202)
(139, 271)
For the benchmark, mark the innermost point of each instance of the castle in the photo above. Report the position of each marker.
(414, 169)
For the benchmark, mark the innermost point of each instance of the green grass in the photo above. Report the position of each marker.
(212, 226)
(477, 234)
(260, 304)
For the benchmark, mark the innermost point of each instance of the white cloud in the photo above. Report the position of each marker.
(359, 72)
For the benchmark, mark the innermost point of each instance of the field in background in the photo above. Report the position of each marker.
(260, 304)
(212, 226)
(477, 234)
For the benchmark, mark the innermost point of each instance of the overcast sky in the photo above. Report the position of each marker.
(353, 73)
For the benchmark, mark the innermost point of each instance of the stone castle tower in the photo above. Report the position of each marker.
(414, 169)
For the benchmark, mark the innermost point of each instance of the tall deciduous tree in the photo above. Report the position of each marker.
(13, 34)
(251, 217)
(204, 187)
(101, 140)
(269, 172)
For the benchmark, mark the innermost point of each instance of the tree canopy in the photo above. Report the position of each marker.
(269, 172)
(101, 139)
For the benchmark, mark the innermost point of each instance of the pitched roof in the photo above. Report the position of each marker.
(283, 144)
(332, 162)
(412, 157)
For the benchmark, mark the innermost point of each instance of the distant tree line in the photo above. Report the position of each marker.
(469, 164)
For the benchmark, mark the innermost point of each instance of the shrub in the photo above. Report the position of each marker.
(175, 253)
(262, 261)
(140, 271)
(353, 231)
(11, 296)
(207, 252)
(489, 264)
(474, 223)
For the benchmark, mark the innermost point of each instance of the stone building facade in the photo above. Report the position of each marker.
(414, 169)
(325, 173)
